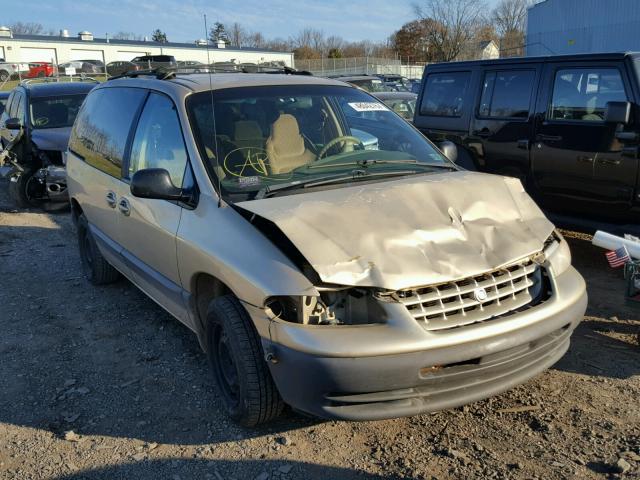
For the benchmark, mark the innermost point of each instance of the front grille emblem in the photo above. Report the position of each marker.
(480, 294)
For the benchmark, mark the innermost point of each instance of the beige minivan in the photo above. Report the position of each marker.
(325, 253)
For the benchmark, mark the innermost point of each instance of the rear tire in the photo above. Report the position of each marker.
(97, 270)
(248, 393)
(4, 75)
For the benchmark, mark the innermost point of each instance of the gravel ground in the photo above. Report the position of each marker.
(99, 382)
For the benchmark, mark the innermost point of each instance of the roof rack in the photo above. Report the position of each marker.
(168, 73)
(81, 78)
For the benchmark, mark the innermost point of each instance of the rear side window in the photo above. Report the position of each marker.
(101, 129)
(506, 94)
(582, 93)
(444, 94)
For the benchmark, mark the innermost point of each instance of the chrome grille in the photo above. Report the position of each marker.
(463, 302)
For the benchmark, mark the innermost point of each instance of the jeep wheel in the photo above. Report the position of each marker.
(97, 270)
(248, 393)
(4, 75)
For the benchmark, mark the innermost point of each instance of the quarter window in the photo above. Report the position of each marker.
(444, 94)
(506, 94)
(158, 142)
(103, 125)
(582, 93)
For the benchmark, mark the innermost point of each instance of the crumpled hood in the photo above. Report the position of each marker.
(410, 232)
(51, 138)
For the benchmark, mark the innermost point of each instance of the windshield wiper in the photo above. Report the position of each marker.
(367, 163)
(313, 182)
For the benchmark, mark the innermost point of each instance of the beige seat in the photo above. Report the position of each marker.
(247, 134)
(285, 146)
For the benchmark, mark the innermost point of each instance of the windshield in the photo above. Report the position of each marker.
(270, 137)
(55, 112)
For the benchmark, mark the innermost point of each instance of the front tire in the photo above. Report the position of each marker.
(97, 270)
(248, 393)
(24, 189)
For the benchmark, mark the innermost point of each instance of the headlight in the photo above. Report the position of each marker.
(341, 306)
(558, 253)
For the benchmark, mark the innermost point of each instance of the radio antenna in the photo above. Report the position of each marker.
(217, 172)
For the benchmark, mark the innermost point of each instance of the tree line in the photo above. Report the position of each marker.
(443, 30)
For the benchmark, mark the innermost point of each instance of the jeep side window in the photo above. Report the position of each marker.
(582, 93)
(506, 94)
(158, 142)
(101, 129)
(444, 94)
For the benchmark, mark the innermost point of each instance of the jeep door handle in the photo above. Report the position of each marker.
(124, 207)
(111, 199)
(484, 133)
(548, 138)
(608, 161)
(584, 159)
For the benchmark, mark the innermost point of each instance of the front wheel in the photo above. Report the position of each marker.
(25, 190)
(4, 75)
(248, 393)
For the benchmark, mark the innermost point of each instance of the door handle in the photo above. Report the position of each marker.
(124, 207)
(584, 159)
(484, 133)
(523, 144)
(111, 199)
(548, 138)
(608, 161)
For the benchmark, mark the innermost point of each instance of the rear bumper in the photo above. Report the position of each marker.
(389, 386)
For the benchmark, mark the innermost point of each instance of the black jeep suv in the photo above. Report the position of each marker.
(567, 126)
(35, 129)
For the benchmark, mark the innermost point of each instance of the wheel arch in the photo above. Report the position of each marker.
(206, 287)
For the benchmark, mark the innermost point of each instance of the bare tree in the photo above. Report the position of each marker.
(455, 23)
(510, 15)
(26, 28)
(126, 36)
(237, 35)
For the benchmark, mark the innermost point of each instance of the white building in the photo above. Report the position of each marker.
(84, 46)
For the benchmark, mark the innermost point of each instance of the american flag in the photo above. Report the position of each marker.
(617, 258)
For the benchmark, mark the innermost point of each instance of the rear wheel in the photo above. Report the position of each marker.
(249, 395)
(4, 75)
(97, 270)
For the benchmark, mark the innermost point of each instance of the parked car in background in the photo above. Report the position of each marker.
(403, 103)
(191, 66)
(8, 71)
(35, 127)
(370, 83)
(155, 61)
(348, 282)
(40, 69)
(81, 66)
(120, 67)
(4, 96)
(567, 126)
(394, 82)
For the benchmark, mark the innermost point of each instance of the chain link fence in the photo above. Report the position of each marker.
(326, 67)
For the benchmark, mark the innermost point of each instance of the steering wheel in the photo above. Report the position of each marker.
(335, 141)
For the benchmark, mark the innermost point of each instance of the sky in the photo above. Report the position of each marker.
(182, 20)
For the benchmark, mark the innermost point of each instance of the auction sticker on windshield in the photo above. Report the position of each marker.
(368, 107)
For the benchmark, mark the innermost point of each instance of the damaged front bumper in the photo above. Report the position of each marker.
(373, 372)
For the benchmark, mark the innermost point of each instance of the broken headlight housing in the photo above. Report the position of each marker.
(334, 306)
(557, 253)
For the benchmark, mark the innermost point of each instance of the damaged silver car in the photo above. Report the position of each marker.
(324, 252)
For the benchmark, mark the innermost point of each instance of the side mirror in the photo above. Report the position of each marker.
(154, 183)
(13, 123)
(449, 149)
(617, 112)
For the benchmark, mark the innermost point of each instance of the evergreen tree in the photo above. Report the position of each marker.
(159, 36)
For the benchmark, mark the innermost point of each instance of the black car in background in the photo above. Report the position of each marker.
(567, 126)
(155, 61)
(35, 127)
(121, 67)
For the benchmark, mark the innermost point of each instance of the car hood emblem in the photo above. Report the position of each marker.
(480, 294)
